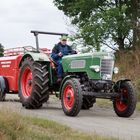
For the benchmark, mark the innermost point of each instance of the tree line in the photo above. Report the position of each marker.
(112, 23)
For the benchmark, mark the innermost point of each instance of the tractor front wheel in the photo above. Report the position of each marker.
(125, 105)
(71, 97)
(33, 84)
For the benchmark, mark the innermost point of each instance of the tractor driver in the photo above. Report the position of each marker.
(61, 49)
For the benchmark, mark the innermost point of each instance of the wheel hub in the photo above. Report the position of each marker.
(29, 82)
(121, 102)
(68, 96)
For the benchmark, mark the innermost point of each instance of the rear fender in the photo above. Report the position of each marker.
(35, 56)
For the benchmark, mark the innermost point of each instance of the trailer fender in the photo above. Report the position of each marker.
(35, 56)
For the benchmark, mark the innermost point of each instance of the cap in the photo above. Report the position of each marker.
(63, 37)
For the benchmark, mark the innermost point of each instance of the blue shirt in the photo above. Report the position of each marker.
(64, 49)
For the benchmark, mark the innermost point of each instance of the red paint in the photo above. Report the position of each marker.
(68, 97)
(26, 82)
(122, 104)
(9, 68)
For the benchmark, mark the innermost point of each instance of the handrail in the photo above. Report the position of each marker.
(22, 50)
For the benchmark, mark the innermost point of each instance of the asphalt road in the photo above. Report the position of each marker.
(99, 120)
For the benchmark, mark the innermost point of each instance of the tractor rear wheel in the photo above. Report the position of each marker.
(71, 97)
(33, 84)
(125, 105)
(88, 102)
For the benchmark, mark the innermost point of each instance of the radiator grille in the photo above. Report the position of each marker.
(107, 67)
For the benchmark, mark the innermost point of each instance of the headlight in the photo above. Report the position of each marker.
(116, 70)
(96, 68)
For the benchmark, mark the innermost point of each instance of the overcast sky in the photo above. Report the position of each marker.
(19, 17)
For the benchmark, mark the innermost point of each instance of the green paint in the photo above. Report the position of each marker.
(38, 56)
(35, 56)
(90, 59)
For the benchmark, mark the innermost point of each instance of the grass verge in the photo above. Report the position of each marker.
(105, 103)
(138, 106)
(17, 127)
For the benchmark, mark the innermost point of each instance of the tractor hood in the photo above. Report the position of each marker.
(85, 62)
(90, 55)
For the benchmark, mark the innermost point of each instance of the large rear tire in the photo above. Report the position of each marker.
(33, 84)
(71, 97)
(88, 102)
(125, 105)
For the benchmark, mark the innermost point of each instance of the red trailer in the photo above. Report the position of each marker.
(9, 68)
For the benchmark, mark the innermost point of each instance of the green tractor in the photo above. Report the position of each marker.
(86, 77)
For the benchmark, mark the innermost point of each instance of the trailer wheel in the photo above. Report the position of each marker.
(125, 105)
(33, 84)
(88, 102)
(3, 88)
(2, 94)
(71, 97)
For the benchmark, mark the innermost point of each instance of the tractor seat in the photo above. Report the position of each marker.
(53, 63)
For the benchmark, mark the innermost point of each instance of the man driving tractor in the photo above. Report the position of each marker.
(61, 49)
